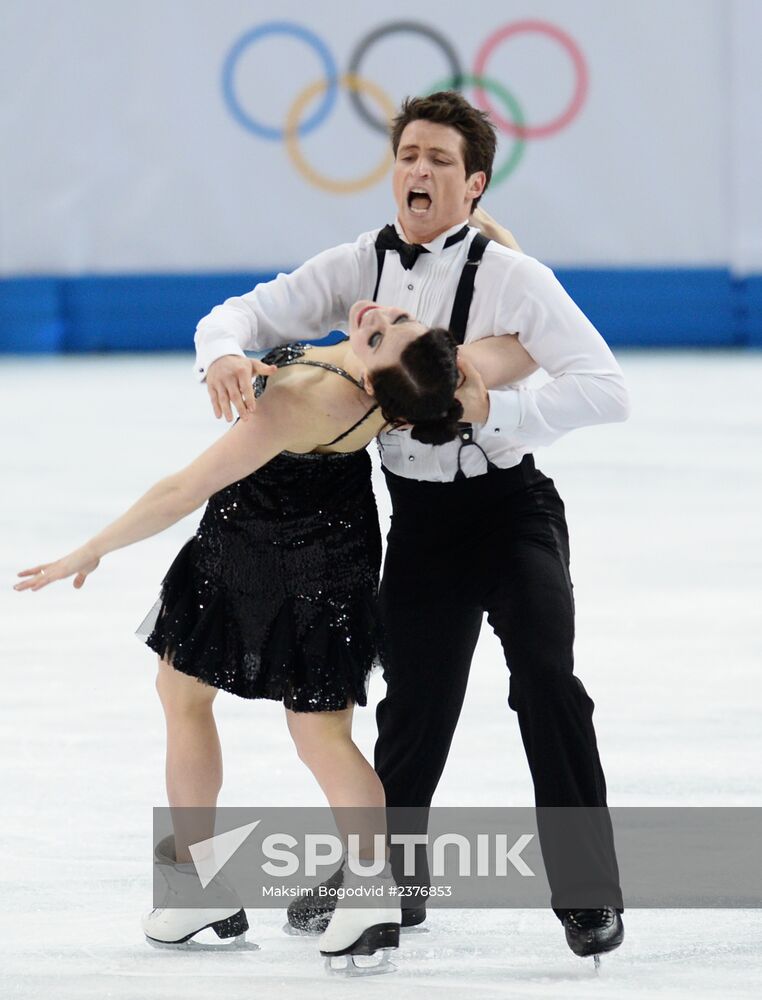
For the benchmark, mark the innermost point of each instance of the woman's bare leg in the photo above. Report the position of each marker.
(324, 743)
(194, 756)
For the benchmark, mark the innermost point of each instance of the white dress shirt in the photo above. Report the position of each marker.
(513, 295)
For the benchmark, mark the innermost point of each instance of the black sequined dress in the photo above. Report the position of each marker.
(275, 595)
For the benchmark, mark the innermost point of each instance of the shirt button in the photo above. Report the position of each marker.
(497, 430)
(411, 458)
(410, 288)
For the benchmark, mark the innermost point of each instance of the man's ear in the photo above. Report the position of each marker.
(476, 185)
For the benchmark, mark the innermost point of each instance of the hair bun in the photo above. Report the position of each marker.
(441, 430)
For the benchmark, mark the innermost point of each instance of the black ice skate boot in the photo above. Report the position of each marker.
(593, 932)
(311, 914)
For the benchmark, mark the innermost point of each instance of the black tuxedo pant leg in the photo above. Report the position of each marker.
(498, 545)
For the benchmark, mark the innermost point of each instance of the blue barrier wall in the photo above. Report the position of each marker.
(653, 308)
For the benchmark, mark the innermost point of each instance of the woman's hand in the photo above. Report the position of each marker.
(81, 562)
(493, 230)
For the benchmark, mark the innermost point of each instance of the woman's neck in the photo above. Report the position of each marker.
(346, 358)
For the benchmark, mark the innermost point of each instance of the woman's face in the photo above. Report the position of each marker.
(379, 334)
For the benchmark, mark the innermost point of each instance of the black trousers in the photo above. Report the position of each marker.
(497, 543)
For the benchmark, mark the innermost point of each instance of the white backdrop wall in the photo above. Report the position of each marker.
(121, 154)
(746, 137)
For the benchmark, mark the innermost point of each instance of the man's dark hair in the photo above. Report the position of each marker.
(420, 390)
(448, 107)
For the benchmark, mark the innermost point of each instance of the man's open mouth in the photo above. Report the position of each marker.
(418, 200)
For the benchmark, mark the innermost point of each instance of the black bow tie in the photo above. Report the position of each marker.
(389, 239)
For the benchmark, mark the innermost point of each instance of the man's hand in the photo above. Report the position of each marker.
(472, 393)
(229, 381)
(493, 230)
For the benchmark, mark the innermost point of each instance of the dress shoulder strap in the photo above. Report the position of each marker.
(329, 367)
(350, 378)
(352, 428)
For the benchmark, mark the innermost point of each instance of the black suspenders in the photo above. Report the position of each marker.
(458, 323)
(380, 257)
(465, 291)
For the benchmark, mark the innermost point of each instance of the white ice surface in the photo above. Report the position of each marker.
(665, 525)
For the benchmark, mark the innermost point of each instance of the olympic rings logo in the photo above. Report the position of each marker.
(508, 117)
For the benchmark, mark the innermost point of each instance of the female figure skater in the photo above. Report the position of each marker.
(275, 595)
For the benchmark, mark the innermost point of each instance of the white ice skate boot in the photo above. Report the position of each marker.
(172, 926)
(358, 939)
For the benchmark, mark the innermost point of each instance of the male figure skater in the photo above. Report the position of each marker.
(477, 528)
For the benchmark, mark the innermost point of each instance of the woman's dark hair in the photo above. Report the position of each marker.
(420, 390)
(448, 107)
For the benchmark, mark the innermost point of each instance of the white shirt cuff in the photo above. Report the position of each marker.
(504, 411)
(216, 350)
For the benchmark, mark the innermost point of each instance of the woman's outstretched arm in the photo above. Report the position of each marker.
(278, 422)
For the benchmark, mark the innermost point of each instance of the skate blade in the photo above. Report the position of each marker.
(360, 965)
(597, 963)
(236, 944)
(416, 929)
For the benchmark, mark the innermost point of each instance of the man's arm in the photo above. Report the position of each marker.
(303, 305)
(500, 361)
(587, 384)
(486, 364)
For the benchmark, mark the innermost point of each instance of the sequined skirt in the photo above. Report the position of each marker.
(275, 595)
